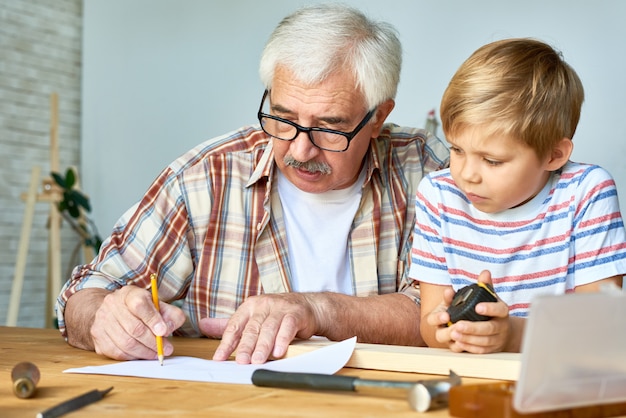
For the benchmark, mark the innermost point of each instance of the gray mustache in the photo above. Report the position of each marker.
(310, 166)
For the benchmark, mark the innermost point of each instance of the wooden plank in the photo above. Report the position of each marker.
(54, 222)
(22, 251)
(54, 132)
(54, 264)
(500, 366)
(49, 197)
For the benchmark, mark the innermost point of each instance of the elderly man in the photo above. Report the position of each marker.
(299, 226)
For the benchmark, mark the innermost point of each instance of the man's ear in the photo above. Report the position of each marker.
(560, 154)
(383, 110)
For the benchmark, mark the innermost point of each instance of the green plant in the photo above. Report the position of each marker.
(72, 208)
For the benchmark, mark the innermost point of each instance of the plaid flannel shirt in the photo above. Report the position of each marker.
(211, 226)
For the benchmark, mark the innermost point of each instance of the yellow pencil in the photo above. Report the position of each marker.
(155, 300)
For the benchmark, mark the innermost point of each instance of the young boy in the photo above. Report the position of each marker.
(512, 210)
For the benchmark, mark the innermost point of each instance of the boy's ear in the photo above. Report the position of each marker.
(560, 154)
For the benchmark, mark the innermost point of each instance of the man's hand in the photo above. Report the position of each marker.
(263, 327)
(121, 324)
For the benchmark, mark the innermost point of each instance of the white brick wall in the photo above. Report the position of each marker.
(40, 53)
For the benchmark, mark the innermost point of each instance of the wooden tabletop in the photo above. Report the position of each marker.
(139, 397)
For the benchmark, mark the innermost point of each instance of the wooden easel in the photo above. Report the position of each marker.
(52, 195)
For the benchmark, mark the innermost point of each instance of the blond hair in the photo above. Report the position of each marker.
(521, 88)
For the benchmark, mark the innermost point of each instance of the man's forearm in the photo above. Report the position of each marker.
(382, 319)
(80, 311)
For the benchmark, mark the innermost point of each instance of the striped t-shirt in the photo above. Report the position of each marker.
(570, 234)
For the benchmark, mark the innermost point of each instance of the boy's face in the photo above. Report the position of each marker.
(496, 173)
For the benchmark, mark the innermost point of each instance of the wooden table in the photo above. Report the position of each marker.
(139, 397)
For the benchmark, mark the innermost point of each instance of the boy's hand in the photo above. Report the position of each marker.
(478, 337)
(439, 318)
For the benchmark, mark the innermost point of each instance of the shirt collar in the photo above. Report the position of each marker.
(264, 165)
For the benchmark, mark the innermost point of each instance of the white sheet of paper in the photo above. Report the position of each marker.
(326, 360)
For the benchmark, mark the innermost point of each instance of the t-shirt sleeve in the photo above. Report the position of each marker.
(600, 240)
(428, 263)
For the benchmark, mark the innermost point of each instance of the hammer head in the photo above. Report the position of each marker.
(426, 395)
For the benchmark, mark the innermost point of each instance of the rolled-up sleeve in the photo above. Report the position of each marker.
(149, 238)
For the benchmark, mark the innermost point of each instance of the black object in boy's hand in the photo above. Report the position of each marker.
(463, 306)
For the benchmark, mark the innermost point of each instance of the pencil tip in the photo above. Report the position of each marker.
(161, 360)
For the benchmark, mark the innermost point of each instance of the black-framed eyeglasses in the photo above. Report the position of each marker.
(326, 139)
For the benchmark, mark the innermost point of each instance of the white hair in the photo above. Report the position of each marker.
(320, 40)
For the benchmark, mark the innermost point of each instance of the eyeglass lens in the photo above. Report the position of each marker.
(287, 132)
